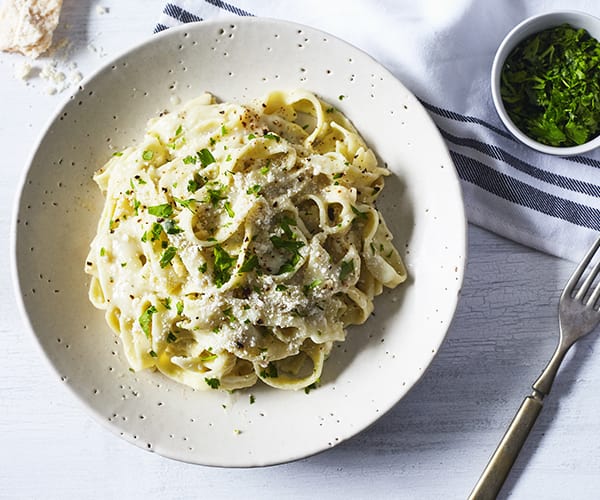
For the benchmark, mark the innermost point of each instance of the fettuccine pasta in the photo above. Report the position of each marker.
(237, 243)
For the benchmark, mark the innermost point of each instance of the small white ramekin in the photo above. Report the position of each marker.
(524, 29)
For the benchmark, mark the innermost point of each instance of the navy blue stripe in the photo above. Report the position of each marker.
(515, 191)
(160, 27)
(180, 14)
(584, 160)
(452, 115)
(228, 7)
(538, 173)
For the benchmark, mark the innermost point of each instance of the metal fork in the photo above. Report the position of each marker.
(578, 315)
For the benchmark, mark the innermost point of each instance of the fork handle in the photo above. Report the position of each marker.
(501, 462)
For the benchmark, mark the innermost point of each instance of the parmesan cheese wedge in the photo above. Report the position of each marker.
(26, 26)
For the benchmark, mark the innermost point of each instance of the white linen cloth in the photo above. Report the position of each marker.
(443, 51)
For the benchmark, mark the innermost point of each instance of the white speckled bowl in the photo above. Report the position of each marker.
(524, 29)
(57, 213)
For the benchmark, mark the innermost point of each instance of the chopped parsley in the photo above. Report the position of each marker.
(171, 338)
(361, 215)
(346, 269)
(550, 85)
(167, 256)
(171, 227)
(202, 268)
(213, 383)
(255, 190)
(185, 203)
(147, 155)
(190, 160)
(145, 319)
(265, 168)
(250, 263)
(271, 135)
(311, 286)
(228, 209)
(205, 157)
(289, 243)
(117, 153)
(223, 265)
(154, 233)
(216, 195)
(164, 210)
(179, 307)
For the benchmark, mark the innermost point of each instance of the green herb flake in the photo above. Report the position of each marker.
(147, 155)
(271, 135)
(252, 399)
(550, 85)
(153, 354)
(154, 233)
(206, 158)
(179, 307)
(228, 313)
(179, 131)
(185, 203)
(216, 195)
(167, 256)
(281, 288)
(213, 383)
(171, 227)
(223, 265)
(102, 252)
(145, 320)
(251, 136)
(250, 263)
(311, 286)
(224, 130)
(171, 338)
(265, 168)
(255, 190)
(359, 214)
(346, 269)
(202, 268)
(118, 153)
(163, 210)
(228, 209)
(190, 160)
(166, 302)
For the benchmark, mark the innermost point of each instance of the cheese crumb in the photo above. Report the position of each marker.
(23, 72)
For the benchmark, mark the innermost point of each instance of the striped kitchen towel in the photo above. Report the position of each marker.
(443, 51)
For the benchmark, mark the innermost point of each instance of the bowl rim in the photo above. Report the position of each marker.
(519, 32)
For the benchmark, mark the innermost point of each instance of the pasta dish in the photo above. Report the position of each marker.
(237, 242)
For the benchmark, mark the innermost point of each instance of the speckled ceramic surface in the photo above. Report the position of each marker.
(57, 213)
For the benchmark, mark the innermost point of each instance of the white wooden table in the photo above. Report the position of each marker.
(433, 444)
